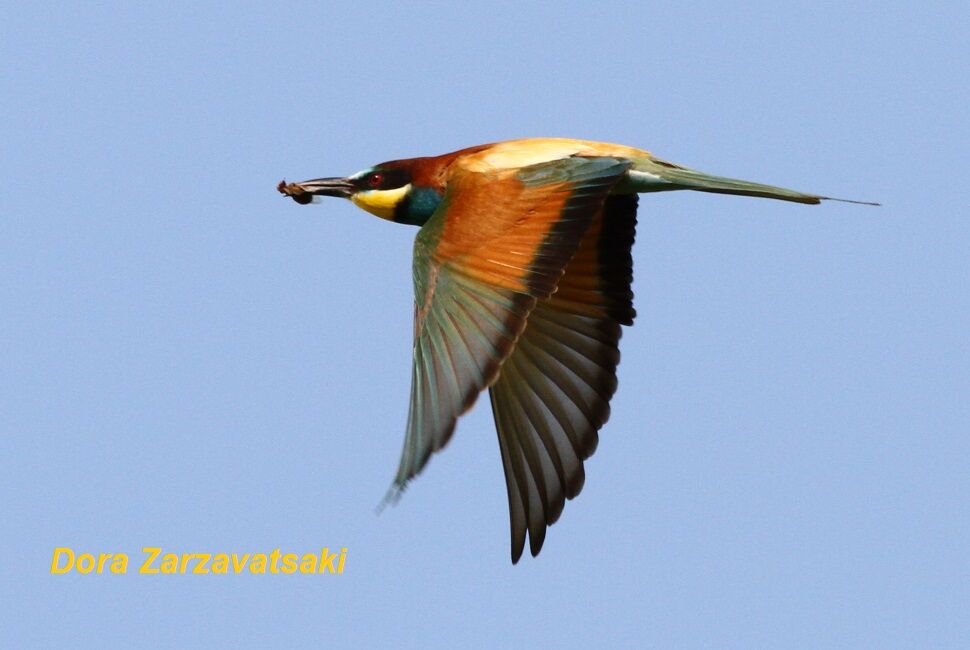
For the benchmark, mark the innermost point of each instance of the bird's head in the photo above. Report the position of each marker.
(387, 190)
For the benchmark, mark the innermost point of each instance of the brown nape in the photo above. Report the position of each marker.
(430, 171)
(295, 192)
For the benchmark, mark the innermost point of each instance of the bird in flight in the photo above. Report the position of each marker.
(522, 273)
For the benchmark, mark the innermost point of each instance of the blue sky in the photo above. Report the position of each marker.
(189, 361)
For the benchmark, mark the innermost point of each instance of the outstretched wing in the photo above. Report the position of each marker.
(554, 390)
(498, 242)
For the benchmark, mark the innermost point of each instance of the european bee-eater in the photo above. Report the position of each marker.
(522, 273)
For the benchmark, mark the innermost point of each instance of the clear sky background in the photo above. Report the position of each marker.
(188, 360)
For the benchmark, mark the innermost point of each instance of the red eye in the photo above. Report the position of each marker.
(375, 180)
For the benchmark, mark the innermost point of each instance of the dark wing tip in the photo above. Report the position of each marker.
(391, 498)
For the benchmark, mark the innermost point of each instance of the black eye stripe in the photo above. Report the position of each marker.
(384, 179)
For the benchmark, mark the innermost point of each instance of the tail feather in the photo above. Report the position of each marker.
(653, 175)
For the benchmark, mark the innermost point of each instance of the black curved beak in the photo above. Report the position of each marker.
(303, 192)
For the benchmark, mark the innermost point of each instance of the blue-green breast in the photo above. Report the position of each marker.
(418, 206)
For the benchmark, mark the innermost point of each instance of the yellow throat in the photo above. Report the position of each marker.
(381, 202)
